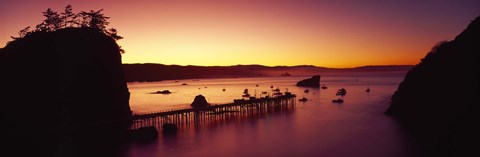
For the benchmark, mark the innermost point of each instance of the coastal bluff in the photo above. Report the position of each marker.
(438, 98)
(63, 92)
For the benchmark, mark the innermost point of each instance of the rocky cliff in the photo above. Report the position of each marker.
(437, 99)
(62, 89)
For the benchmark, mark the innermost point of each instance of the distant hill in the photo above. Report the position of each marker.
(438, 99)
(158, 72)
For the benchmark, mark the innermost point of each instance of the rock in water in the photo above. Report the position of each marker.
(144, 134)
(438, 98)
(311, 82)
(199, 102)
(169, 129)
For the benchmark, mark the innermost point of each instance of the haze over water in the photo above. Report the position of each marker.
(317, 127)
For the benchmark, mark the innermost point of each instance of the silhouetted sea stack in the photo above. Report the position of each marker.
(437, 99)
(311, 82)
(169, 129)
(65, 86)
(199, 102)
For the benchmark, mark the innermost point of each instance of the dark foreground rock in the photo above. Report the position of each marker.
(311, 82)
(144, 134)
(169, 129)
(437, 101)
(63, 93)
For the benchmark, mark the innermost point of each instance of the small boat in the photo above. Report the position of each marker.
(223, 89)
(184, 84)
(341, 91)
(271, 86)
(256, 85)
(324, 87)
(368, 90)
(264, 92)
(306, 91)
(337, 100)
(303, 99)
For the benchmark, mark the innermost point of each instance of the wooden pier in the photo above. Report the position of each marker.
(240, 108)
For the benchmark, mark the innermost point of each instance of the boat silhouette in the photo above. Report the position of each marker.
(303, 99)
(341, 91)
(339, 100)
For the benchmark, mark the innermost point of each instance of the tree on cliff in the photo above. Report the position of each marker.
(94, 19)
(22, 33)
(112, 32)
(68, 17)
(54, 21)
(51, 23)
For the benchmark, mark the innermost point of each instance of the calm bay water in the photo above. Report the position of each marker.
(317, 127)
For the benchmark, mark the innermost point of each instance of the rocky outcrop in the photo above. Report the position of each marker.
(199, 102)
(65, 86)
(144, 134)
(311, 82)
(169, 129)
(436, 100)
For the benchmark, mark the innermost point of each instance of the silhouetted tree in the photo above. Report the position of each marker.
(112, 32)
(52, 21)
(122, 51)
(41, 27)
(68, 17)
(94, 19)
(22, 33)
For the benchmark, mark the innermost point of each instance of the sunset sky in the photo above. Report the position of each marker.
(334, 33)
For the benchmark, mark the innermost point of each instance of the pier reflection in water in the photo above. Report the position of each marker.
(316, 127)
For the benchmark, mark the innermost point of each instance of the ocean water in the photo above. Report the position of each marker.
(314, 128)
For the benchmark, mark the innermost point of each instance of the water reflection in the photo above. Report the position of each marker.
(316, 127)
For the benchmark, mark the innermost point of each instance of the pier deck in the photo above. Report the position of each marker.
(239, 108)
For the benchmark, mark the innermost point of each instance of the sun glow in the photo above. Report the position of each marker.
(330, 34)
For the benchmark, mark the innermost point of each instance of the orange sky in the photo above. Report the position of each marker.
(230, 32)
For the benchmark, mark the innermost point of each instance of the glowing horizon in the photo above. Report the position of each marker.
(327, 33)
